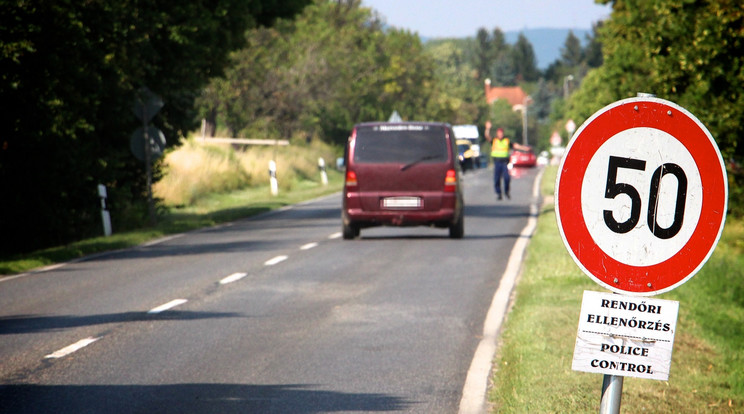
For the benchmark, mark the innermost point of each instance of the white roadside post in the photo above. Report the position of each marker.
(323, 174)
(104, 212)
(272, 178)
(640, 213)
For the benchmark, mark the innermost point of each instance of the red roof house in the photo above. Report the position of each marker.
(512, 94)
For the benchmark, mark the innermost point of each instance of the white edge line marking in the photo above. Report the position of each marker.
(233, 278)
(335, 235)
(165, 307)
(476, 383)
(308, 246)
(72, 348)
(275, 260)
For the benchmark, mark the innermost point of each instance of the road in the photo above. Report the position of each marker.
(274, 314)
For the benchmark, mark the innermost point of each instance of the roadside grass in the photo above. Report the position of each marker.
(532, 370)
(205, 186)
(198, 168)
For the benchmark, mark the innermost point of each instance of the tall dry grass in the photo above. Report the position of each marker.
(198, 168)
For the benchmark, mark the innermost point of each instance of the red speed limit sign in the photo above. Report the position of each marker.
(641, 196)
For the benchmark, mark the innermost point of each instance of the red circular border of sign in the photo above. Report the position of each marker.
(687, 261)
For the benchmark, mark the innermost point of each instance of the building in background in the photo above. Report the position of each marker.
(512, 94)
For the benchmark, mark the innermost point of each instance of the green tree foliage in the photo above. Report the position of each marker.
(483, 54)
(568, 71)
(593, 49)
(525, 63)
(458, 92)
(320, 74)
(503, 116)
(564, 76)
(492, 57)
(68, 75)
(571, 53)
(689, 52)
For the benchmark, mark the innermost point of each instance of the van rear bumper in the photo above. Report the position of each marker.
(447, 212)
(401, 218)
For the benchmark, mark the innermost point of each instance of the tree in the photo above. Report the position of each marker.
(503, 116)
(323, 72)
(458, 94)
(71, 71)
(593, 50)
(483, 54)
(491, 57)
(686, 52)
(525, 63)
(571, 53)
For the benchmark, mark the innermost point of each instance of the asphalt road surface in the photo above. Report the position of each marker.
(274, 314)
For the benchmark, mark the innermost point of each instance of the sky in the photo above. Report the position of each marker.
(463, 18)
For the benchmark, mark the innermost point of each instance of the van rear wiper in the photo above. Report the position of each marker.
(422, 159)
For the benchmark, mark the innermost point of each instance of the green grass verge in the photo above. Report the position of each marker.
(532, 370)
(208, 211)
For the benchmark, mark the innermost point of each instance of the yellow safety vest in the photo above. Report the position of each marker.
(500, 148)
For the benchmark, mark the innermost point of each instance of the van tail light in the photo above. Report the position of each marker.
(450, 181)
(351, 179)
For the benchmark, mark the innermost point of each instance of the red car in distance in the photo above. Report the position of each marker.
(523, 159)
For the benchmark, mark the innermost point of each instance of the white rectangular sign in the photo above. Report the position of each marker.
(627, 336)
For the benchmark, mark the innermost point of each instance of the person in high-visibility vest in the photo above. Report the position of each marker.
(500, 147)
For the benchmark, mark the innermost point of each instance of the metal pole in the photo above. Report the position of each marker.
(524, 120)
(612, 393)
(148, 167)
(566, 80)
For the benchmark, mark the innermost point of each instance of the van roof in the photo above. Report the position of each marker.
(379, 123)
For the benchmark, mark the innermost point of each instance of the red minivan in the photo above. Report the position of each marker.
(402, 174)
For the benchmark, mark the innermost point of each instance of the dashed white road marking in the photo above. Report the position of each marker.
(233, 278)
(335, 235)
(275, 260)
(165, 307)
(72, 348)
(308, 246)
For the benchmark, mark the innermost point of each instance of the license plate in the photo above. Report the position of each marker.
(401, 202)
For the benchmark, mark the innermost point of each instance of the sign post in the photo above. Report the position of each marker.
(641, 198)
(146, 106)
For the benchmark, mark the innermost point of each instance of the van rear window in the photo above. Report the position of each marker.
(400, 144)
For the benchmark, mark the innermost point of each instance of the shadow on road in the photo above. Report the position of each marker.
(497, 210)
(21, 324)
(190, 398)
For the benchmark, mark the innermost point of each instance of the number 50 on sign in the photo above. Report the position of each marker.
(641, 196)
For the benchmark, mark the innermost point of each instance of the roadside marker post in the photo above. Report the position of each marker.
(105, 215)
(273, 183)
(641, 198)
(323, 173)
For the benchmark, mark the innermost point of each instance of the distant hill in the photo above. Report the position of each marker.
(547, 43)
